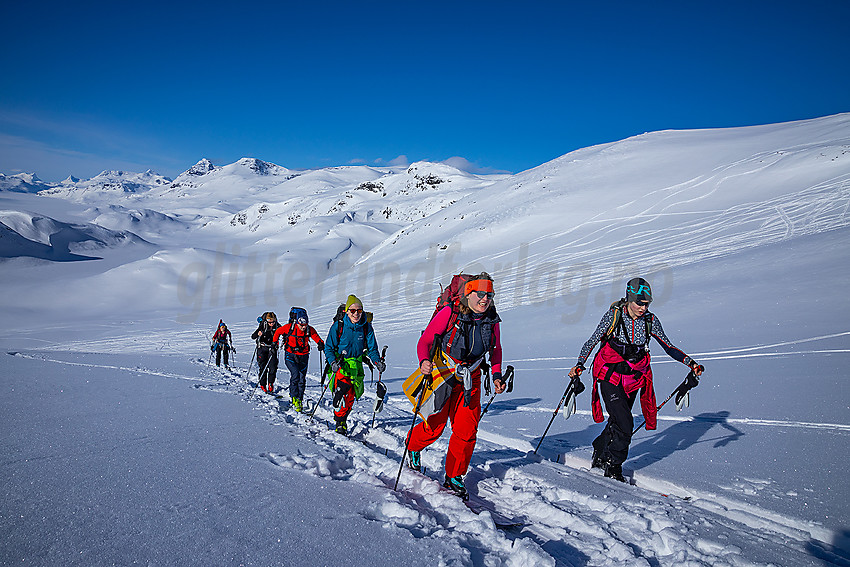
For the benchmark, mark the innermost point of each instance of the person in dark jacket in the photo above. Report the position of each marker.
(620, 369)
(296, 336)
(349, 341)
(266, 350)
(222, 343)
(462, 353)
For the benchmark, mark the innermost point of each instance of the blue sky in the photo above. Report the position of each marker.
(506, 85)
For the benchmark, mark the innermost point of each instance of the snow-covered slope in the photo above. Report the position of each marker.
(742, 232)
(29, 235)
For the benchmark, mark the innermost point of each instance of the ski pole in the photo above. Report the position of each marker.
(509, 380)
(368, 362)
(325, 389)
(209, 360)
(259, 376)
(379, 395)
(567, 392)
(673, 393)
(312, 413)
(321, 366)
(248, 372)
(426, 383)
(425, 386)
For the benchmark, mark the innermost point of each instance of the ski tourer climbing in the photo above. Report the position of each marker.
(266, 350)
(296, 335)
(620, 369)
(451, 353)
(351, 338)
(222, 344)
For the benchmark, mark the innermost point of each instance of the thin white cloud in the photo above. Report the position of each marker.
(400, 160)
(464, 164)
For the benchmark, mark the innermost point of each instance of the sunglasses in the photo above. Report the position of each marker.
(355, 311)
(642, 303)
(483, 294)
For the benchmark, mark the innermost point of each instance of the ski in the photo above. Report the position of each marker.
(660, 487)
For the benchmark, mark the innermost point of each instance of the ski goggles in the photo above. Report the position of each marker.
(482, 288)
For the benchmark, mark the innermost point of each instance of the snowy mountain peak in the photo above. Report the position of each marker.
(201, 168)
(22, 183)
(109, 182)
(261, 167)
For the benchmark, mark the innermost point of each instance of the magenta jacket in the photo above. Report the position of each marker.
(438, 326)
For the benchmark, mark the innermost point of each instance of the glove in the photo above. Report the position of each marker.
(233, 348)
(682, 396)
(381, 366)
(335, 366)
(212, 348)
(574, 388)
(321, 346)
(579, 386)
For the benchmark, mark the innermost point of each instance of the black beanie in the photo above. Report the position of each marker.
(638, 290)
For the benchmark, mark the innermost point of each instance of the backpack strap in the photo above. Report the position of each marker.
(618, 306)
(453, 325)
(648, 319)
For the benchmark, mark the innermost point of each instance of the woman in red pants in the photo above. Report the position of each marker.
(467, 332)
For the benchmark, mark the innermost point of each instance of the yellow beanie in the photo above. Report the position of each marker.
(352, 299)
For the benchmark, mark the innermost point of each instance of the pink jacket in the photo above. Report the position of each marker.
(438, 326)
(608, 356)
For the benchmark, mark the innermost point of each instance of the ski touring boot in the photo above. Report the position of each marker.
(296, 404)
(455, 484)
(597, 461)
(614, 471)
(341, 426)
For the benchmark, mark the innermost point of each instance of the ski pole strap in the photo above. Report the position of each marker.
(508, 379)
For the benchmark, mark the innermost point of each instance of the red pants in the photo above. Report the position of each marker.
(342, 383)
(464, 428)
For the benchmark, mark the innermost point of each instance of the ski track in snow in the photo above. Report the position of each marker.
(568, 515)
(142, 343)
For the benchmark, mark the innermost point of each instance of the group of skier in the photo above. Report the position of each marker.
(458, 351)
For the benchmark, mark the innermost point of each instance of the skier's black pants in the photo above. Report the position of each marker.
(297, 365)
(219, 347)
(267, 355)
(613, 442)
